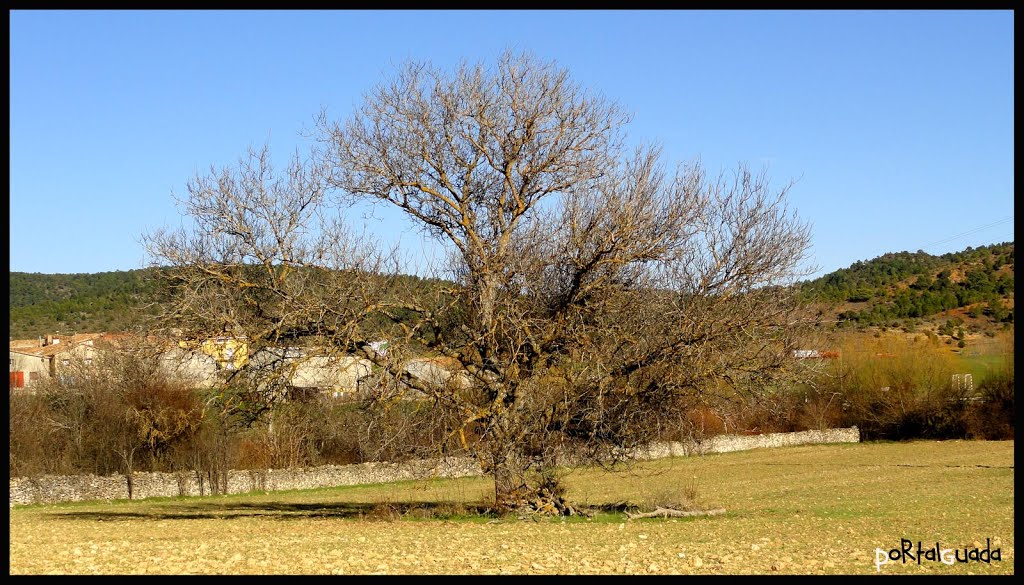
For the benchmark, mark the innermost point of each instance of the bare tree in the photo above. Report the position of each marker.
(261, 262)
(592, 293)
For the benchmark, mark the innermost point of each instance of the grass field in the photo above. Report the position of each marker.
(820, 509)
(981, 366)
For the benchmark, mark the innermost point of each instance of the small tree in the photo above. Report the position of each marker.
(590, 293)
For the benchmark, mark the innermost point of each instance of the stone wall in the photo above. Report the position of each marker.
(728, 443)
(72, 488)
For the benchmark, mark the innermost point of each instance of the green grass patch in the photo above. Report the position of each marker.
(982, 366)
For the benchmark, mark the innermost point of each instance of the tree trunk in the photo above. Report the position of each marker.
(511, 491)
(129, 464)
(487, 296)
(128, 480)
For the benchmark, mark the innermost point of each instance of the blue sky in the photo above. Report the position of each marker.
(896, 125)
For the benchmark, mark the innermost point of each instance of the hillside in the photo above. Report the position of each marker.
(895, 289)
(902, 287)
(43, 304)
(68, 303)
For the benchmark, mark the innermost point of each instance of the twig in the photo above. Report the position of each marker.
(673, 513)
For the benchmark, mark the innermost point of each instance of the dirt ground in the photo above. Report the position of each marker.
(801, 510)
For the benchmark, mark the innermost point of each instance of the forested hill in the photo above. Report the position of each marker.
(894, 286)
(43, 304)
(77, 303)
(906, 285)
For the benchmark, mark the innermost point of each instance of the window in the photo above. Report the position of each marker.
(88, 361)
(65, 362)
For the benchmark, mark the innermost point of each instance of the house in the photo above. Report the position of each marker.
(30, 366)
(194, 367)
(439, 371)
(202, 363)
(339, 375)
(230, 353)
(32, 361)
(309, 371)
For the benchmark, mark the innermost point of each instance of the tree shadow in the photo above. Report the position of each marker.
(385, 511)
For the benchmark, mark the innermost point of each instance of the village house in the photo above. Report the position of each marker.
(229, 353)
(309, 372)
(34, 360)
(53, 356)
(195, 368)
(439, 371)
(203, 363)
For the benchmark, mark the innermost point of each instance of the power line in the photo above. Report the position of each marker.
(968, 232)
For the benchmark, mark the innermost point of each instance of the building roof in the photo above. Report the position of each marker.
(37, 347)
(46, 351)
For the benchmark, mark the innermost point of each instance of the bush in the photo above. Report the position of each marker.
(899, 390)
(117, 417)
(153, 424)
(992, 416)
(878, 386)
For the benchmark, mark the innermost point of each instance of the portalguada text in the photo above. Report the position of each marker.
(906, 552)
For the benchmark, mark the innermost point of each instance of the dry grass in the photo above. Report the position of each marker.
(797, 510)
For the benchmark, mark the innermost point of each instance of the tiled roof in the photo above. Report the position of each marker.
(21, 343)
(48, 351)
(71, 339)
(34, 346)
